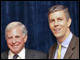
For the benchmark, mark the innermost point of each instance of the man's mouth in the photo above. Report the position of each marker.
(57, 30)
(14, 45)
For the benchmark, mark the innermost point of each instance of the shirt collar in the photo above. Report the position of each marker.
(66, 42)
(21, 54)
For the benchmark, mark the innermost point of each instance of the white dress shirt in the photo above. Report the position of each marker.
(21, 54)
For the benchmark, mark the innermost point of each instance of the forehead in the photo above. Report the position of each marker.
(13, 27)
(16, 29)
(57, 14)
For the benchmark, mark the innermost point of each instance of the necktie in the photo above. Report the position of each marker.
(59, 52)
(15, 56)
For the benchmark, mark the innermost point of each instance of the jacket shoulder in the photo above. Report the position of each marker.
(4, 55)
(36, 54)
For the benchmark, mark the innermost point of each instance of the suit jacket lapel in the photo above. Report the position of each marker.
(70, 51)
(53, 52)
(5, 56)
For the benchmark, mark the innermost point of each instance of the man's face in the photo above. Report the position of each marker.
(15, 39)
(58, 24)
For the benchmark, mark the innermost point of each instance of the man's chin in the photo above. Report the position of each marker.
(57, 35)
(15, 52)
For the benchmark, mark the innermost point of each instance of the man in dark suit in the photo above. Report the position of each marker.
(67, 46)
(16, 36)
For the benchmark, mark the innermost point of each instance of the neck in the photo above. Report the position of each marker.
(62, 38)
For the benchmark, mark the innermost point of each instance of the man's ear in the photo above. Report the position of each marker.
(69, 22)
(25, 38)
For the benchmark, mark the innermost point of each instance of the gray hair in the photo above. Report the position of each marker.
(58, 8)
(13, 24)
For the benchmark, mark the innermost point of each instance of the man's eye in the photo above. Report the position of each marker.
(9, 37)
(59, 19)
(52, 20)
(17, 36)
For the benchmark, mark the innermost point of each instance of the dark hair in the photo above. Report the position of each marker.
(58, 8)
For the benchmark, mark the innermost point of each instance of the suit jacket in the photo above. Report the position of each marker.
(30, 54)
(72, 51)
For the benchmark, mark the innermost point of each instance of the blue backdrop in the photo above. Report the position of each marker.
(33, 14)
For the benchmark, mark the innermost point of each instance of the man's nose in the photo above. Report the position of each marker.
(56, 23)
(13, 40)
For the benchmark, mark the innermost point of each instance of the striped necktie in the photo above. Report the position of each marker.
(15, 56)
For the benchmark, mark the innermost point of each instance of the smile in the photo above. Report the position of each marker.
(57, 30)
(14, 45)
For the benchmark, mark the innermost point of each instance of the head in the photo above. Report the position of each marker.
(16, 36)
(59, 8)
(59, 21)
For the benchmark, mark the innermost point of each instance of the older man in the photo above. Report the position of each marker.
(16, 36)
